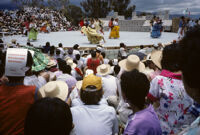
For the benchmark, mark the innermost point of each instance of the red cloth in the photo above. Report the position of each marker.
(14, 104)
(79, 71)
(93, 64)
(81, 23)
(110, 24)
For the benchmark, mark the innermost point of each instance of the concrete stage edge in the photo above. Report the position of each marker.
(69, 38)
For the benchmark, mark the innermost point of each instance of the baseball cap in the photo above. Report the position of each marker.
(92, 80)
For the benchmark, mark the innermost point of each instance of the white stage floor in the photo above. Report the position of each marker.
(69, 38)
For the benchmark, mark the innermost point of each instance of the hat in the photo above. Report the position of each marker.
(156, 57)
(103, 69)
(57, 89)
(51, 63)
(88, 72)
(13, 40)
(71, 63)
(92, 80)
(132, 62)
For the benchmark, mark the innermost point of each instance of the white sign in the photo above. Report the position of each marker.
(16, 62)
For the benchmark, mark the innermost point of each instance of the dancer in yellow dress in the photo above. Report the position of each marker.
(114, 29)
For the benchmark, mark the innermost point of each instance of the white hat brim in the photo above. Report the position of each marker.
(122, 64)
(63, 90)
(106, 73)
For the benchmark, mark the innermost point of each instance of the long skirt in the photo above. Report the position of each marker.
(114, 32)
(33, 34)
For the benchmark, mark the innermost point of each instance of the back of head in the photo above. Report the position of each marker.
(135, 87)
(78, 56)
(93, 54)
(60, 45)
(122, 45)
(47, 44)
(170, 58)
(75, 47)
(66, 69)
(141, 47)
(103, 54)
(190, 57)
(48, 116)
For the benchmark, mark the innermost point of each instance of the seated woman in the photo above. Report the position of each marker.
(168, 93)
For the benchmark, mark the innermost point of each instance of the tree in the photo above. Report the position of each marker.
(96, 8)
(123, 7)
(32, 3)
(58, 4)
(74, 13)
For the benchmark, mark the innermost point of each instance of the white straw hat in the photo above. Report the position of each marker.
(132, 62)
(57, 89)
(51, 63)
(103, 69)
(156, 57)
(71, 63)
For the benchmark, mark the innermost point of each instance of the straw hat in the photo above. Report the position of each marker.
(51, 63)
(57, 89)
(103, 69)
(71, 63)
(88, 72)
(132, 62)
(156, 57)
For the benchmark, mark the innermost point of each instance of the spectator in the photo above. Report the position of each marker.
(165, 92)
(76, 50)
(48, 116)
(93, 118)
(142, 50)
(135, 87)
(93, 63)
(122, 51)
(12, 114)
(62, 51)
(189, 66)
(109, 83)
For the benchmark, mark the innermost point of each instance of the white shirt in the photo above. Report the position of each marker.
(109, 85)
(75, 52)
(94, 120)
(62, 51)
(106, 61)
(142, 51)
(34, 81)
(80, 64)
(123, 52)
(115, 23)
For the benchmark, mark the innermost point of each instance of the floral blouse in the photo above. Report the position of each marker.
(168, 90)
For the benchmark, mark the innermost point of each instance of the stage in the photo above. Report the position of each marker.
(69, 38)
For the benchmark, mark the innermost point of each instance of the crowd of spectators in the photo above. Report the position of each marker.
(63, 91)
(17, 21)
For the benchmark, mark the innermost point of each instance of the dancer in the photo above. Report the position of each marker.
(114, 29)
(181, 30)
(33, 31)
(92, 35)
(157, 28)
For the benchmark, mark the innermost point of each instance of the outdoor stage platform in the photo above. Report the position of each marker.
(69, 38)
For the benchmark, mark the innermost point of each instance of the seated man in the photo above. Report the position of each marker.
(93, 118)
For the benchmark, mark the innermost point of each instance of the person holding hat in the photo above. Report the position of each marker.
(15, 97)
(168, 95)
(144, 121)
(109, 82)
(93, 118)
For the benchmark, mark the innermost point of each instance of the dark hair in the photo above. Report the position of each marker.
(141, 47)
(117, 69)
(112, 19)
(103, 54)
(70, 51)
(135, 87)
(190, 57)
(91, 97)
(66, 69)
(78, 56)
(182, 17)
(170, 58)
(48, 44)
(122, 45)
(93, 54)
(48, 116)
(60, 45)
(75, 46)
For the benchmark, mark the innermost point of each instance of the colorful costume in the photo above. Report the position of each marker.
(156, 30)
(114, 30)
(92, 35)
(33, 32)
